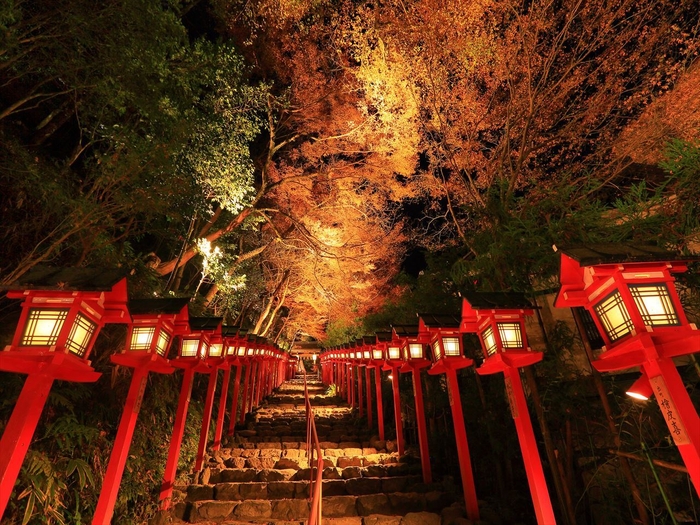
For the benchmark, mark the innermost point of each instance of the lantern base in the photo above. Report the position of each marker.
(512, 359)
(57, 365)
(450, 363)
(150, 362)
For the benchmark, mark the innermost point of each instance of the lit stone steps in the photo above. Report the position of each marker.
(252, 510)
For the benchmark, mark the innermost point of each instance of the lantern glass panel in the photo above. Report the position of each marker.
(216, 349)
(240, 350)
(80, 335)
(377, 354)
(437, 350)
(366, 354)
(451, 346)
(141, 338)
(163, 342)
(43, 327)
(614, 316)
(203, 350)
(416, 350)
(394, 352)
(654, 304)
(251, 351)
(511, 335)
(230, 349)
(189, 347)
(489, 341)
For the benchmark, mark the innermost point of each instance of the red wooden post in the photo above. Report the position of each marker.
(206, 421)
(360, 402)
(422, 430)
(244, 400)
(222, 410)
(528, 447)
(368, 383)
(183, 403)
(19, 431)
(234, 401)
(397, 410)
(630, 293)
(678, 411)
(465, 462)
(380, 407)
(120, 451)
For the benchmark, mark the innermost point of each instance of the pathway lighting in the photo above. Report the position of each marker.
(155, 322)
(448, 357)
(62, 312)
(413, 346)
(499, 320)
(630, 292)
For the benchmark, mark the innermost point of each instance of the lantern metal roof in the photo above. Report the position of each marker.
(383, 337)
(205, 323)
(610, 253)
(157, 306)
(440, 320)
(230, 331)
(43, 277)
(496, 300)
(405, 330)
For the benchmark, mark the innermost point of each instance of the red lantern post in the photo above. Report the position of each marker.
(192, 357)
(154, 323)
(414, 360)
(225, 359)
(63, 311)
(448, 357)
(393, 363)
(629, 292)
(382, 340)
(367, 345)
(499, 320)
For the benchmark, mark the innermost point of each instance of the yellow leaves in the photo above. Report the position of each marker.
(390, 104)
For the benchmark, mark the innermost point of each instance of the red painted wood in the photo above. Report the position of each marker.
(222, 410)
(465, 462)
(206, 421)
(397, 410)
(183, 403)
(683, 422)
(380, 407)
(368, 386)
(234, 401)
(244, 401)
(528, 445)
(19, 431)
(360, 402)
(422, 429)
(120, 451)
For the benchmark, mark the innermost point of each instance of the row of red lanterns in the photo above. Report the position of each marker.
(631, 296)
(62, 313)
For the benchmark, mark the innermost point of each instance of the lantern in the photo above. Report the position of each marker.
(413, 349)
(62, 312)
(499, 320)
(445, 338)
(154, 324)
(629, 292)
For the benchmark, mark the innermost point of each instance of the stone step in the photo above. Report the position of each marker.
(392, 504)
(212, 476)
(241, 491)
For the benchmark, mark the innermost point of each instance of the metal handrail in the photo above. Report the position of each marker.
(313, 445)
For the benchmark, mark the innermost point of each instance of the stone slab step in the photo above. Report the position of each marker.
(212, 476)
(240, 491)
(393, 504)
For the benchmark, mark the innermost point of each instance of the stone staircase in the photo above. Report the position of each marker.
(263, 477)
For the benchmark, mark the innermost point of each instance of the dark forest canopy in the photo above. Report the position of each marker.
(278, 158)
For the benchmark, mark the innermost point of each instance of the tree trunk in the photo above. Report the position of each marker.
(171, 265)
